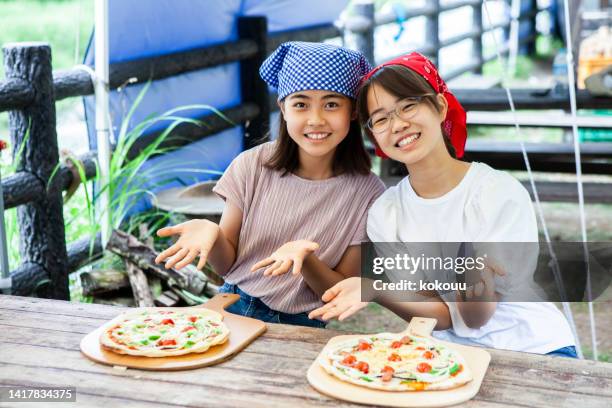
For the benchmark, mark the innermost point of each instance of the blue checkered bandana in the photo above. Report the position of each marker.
(300, 66)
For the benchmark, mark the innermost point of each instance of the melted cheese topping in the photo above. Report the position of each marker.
(165, 330)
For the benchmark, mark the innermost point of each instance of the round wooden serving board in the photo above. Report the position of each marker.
(243, 330)
(477, 359)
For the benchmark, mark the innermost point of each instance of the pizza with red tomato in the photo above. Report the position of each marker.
(163, 332)
(390, 362)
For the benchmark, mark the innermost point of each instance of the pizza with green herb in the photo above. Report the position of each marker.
(163, 332)
(392, 362)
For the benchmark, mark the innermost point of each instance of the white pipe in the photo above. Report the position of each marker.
(5, 273)
(569, 55)
(102, 114)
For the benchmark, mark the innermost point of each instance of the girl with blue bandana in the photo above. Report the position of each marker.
(296, 204)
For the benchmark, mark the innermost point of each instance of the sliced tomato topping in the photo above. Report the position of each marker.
(387, 373)
(349, 360)
(170, 342)
(167, 321)
(396, 344)
(188, 328)
(193, 319)
(386, 369)
(363, 367)
(364, 345)
(423, 368)
(428, 355)
(394, 357)
(406, 340)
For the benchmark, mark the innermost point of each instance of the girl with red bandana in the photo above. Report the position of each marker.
(409, 113)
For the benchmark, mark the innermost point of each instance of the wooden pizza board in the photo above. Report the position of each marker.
(243, 330)
(477, 360)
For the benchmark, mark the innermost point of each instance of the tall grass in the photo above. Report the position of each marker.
(128, 180)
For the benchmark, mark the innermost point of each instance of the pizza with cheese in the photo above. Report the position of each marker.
(392, 362)
(162, 332)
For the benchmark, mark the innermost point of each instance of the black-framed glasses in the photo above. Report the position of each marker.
(405, 109)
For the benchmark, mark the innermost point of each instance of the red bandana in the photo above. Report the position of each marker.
(454, 124)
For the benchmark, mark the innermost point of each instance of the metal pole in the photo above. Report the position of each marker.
(102, 114)
(477, 42)
(5, 273)
(432, 35)
(365, 40)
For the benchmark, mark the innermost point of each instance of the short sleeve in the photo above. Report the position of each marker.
(233, 185)
(504, 211)
(382, 218)
(508, 232)
(374, 189)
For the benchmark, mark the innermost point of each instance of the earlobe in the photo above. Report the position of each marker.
(444, 105)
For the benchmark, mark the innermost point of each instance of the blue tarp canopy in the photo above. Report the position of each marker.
(141, 28)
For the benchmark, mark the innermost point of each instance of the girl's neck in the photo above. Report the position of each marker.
(315, 168)
(437, 174)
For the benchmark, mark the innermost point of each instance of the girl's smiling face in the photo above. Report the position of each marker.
(407, 141)
(317, 120)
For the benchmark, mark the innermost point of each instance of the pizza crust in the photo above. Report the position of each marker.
(213, 331)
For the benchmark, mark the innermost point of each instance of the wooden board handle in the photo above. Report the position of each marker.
(421, 326)
(220, 301)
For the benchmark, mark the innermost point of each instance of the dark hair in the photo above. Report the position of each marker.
(401, 82)
(350, 156)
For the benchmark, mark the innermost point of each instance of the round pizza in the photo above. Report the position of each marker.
(392, 362)
(163, 332)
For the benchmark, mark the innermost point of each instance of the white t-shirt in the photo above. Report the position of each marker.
(486, 206)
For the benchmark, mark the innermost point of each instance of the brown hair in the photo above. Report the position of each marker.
(350, 155)
(401, 82)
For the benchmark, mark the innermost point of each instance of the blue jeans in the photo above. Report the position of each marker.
(569, 351)
(250, 306)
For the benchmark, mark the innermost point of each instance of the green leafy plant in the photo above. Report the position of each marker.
(128, 181)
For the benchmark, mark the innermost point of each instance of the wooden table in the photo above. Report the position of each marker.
(39, 347)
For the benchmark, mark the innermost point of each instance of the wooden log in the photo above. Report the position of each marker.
(15, 93)
(33, 135)
(128, 247)
(77, 82)
(82, 252)
(140, 286)
(28, 279)
(167, 299)
(103, 281)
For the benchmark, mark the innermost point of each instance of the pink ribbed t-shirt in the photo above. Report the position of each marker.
(278, 209)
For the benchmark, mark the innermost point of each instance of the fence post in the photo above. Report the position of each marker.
(41, 223)
(252, 87)
(477, 42)
(432, 33)
(531, 45)
(364, 41)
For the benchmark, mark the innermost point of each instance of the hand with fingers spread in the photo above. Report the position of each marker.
(342, 300)
(196, 239)
(291, 254)
(482, 288)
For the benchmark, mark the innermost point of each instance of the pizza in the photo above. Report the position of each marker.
(392, 362)
(162, 332)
